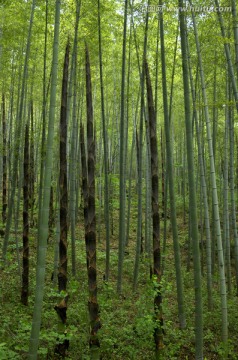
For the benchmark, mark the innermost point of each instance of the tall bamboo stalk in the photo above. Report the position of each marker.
(140, 157)
(43, 226)
(122, 159)
(105, 147)
(226, 220)
(61, 308)
(232, 188)
(25, 255)
(192, 193)
(90, 233)
(214, 193)
(4, 162)
(43, 130)
(74, 131)
(158, 333)
(235, 30)
(228, 55)
(204, 193)
(173, 215)
(31, 165)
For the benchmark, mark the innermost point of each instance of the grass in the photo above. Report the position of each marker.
(127, 319)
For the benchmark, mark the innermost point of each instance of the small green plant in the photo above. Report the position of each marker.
(7, 354)
(226, 350)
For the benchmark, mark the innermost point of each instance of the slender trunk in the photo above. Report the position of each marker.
(228, 56)
(25, 255)
(226, 221)
(43, 135)
(232, 190)
(74, 134)
(204, 194)
(4, 162)
(173, 215)
(134, 116)
(130, 188)
(84, 176)
(235, 30)
(57, 240)
(9, 135)
(158, 334)
(51, 221)
(43, 226)
(162, 150)
(214, 113)
(214, 194)
(31, 166)
(192, 194)
(166, 177)
(214, 146)
(105, 146)
(122, 160)
(90, 235)
(62, 275)
(140, 153)
(148, 199)
(61, 308)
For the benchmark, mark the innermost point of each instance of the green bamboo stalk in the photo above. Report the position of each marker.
(228, 56)
(166, 177)
(232, 190)
(214, 193)
(170, 172)
(235, 30)
(226, 221)
(134, 116)
(140, 153)
(4, 162)
(25, 255)
(61, 308)
(62, 275)
(32, 167)
(72, 164)
(192, 193)
(90, 233)
(204, 194)
(105, 147)
(43, 226)
(43, 135)
(122, 159)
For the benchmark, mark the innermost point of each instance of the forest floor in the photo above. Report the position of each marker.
(127, 319)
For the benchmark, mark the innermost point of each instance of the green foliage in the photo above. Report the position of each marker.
(127, 327)
(6, 354)
(127, 320)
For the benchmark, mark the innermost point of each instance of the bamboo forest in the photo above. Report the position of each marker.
(118, 179)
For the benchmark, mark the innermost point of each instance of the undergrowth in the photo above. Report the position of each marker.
(127, 319)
